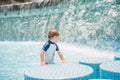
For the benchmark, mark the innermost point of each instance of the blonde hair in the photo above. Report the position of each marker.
(52, 33)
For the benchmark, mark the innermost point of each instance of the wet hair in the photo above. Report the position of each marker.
(52, 33)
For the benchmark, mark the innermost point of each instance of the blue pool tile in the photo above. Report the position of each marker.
(110, 70)
(67, 71)
(94, 63)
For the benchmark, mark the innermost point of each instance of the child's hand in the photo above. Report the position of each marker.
(63, 61)
(43, 63)
(54, 63)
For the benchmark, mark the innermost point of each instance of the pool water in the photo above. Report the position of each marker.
(17, 56)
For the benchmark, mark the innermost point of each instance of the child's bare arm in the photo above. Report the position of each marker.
(61, 57)
(42, 57)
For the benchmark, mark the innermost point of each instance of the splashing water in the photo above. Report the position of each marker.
(93, 23)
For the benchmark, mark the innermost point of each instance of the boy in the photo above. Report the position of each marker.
(49, 48)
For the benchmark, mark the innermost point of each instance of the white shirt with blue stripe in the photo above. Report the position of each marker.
(50, 48)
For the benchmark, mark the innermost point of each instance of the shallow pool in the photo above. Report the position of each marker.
(17, 56)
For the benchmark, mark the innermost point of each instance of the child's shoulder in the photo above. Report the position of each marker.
(47, 43)
(46, 46)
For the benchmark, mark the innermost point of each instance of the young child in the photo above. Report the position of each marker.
(49, 48)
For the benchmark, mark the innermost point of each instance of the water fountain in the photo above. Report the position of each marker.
(94, 23)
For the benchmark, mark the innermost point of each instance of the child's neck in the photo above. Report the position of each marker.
(52, 40)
